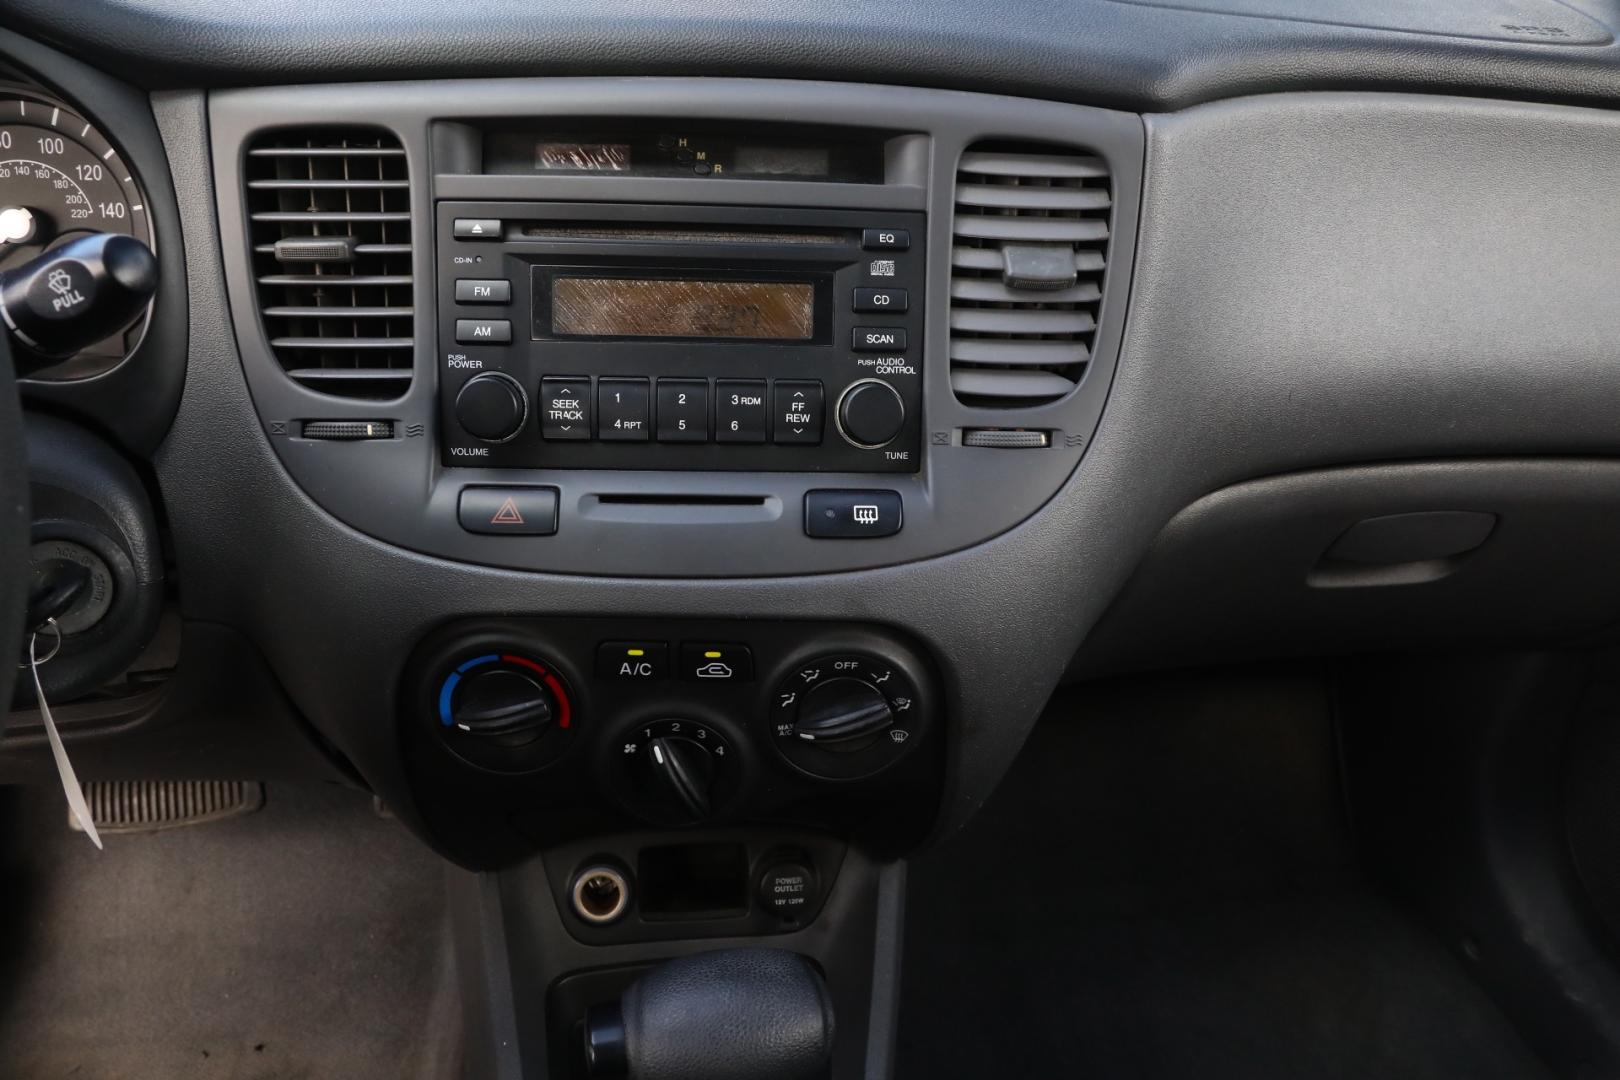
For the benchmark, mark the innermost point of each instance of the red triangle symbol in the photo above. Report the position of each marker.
(507, 514)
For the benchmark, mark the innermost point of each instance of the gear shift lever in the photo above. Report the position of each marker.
(738, 1014)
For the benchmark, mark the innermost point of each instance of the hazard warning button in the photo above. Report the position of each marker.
(515, 511)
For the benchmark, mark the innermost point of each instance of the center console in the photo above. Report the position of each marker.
(608, 352)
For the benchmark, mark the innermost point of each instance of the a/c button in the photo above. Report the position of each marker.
(633, 660)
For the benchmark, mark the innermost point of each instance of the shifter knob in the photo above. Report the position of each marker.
(737, 1014)
(78, 294)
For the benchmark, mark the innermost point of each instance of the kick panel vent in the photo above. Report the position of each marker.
(330, 227)
(1029, 248)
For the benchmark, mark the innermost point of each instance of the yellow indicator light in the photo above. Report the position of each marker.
(635, 652)
(711, 655)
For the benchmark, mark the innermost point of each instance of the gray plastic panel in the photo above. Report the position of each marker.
(397, 490)
(1320, 280)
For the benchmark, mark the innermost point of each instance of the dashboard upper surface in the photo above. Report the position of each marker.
(1101, 52)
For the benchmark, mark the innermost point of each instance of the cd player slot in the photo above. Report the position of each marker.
(551, 231)
(676, 509)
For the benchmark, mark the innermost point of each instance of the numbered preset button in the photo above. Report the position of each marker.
(683, 410)
(740, 412)
(622, 410)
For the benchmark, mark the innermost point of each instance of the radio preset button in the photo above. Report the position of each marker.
(739, 410)
(880, 300)
(565, 408)
(476, 291)
(477, 228)
(799, 412)
(879, 339)
(483, 332)
(885, 239)
(622, 409)
(683, 410)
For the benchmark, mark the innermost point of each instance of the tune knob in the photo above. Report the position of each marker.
(492, 407)
(871, 414)
(506, 706)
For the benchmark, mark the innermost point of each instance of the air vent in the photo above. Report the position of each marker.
(1030, 246)
(330, 214)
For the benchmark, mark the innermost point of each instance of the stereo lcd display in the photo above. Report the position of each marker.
(682, 308)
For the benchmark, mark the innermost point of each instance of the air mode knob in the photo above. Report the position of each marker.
(492, 407)
(844, 715)
(871, 414)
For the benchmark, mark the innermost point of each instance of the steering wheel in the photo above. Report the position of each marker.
(14, 565)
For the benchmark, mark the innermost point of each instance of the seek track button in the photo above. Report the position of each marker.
(565, 408)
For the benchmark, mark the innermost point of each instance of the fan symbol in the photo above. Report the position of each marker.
(60, 282)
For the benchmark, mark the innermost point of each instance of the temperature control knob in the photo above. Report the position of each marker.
(504, 705)
(504, 711)
(492, 407)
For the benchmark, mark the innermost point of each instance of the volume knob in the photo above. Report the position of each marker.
(492, 407)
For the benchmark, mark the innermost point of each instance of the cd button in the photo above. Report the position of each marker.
(880, 300)
(565, 408)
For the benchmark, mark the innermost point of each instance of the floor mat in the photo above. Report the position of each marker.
(307, 939)
(1164, 889)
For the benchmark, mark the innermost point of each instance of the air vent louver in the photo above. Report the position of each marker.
(330, 227)
(1027, 260)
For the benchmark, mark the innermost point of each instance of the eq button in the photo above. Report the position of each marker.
(879, 339)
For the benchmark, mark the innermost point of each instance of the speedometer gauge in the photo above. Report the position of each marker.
(61, 179)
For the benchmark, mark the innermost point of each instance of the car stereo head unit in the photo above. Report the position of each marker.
(614, 336)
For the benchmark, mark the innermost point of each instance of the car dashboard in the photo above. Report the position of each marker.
(688, 448)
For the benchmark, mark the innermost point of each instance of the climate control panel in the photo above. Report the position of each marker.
(522, 732)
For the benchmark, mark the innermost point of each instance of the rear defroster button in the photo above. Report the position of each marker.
(851, 515)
